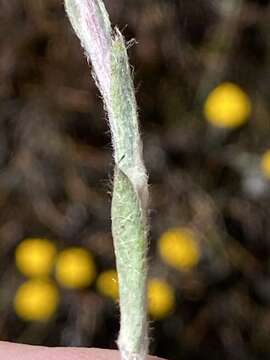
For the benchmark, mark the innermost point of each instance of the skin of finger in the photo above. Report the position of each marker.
(12, 351)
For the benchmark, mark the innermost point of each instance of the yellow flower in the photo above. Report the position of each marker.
(227, 106)
(107, 284)
(35, 257)
(265, 164)
(36, 300)
(75, 268)
(179, 248)
(161, 299)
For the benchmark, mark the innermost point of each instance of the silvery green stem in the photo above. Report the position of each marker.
(106, 50)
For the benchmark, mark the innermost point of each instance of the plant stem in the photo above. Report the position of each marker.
(107, 51)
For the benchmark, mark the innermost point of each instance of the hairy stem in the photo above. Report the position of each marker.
(106, 50)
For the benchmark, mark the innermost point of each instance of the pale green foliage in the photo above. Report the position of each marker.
(128, 205)
(123, 119)
(107, 51)
(129, 233)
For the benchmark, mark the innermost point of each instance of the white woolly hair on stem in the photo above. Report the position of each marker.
(105, 48)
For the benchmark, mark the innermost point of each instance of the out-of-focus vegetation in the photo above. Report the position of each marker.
(202, 77)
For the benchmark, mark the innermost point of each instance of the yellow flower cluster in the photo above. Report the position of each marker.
(161, 299)
(35, 257)
(75, 268)
(227, 106)
(37, 299)
(179, 248)
(107, 284)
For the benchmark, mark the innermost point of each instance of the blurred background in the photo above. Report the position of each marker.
(202, 77)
